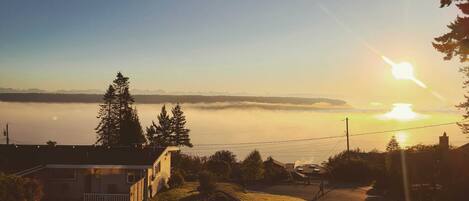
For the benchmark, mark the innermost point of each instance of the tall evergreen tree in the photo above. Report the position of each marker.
(107, 128)
(161, 134)
(119, 123)
(181, 133)
(131, 132)
(124, 99)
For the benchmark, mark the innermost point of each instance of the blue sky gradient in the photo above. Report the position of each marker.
(259, 47)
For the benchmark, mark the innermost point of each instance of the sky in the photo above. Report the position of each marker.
(312, 48)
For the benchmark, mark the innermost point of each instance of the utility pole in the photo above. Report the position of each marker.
(5, 133)
(346, 132)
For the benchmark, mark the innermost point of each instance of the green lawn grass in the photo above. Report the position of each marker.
(188, 192)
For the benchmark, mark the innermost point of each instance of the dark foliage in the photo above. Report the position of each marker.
(224, 155)
(207, 183)
(161, 134)
(252, 167)
(221, 163)
(189, 165)
(108, 126)
(221, 169)
(176, 180)
(274, 173)
(178, 124)
(13, 188)
(456, 43)
(170, 131)
(356, 166)
(119, 123)
(131, 132)
(51, 143)
(393, 145)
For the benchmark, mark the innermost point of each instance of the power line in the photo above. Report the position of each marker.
(329, 137)
(409, 128)
(271, 142)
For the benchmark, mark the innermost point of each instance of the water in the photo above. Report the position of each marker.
(36, 123)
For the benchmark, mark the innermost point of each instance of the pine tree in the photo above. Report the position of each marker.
(131, 132)
(393, 145)
(124, 99)
(161, 134)
(181, 133)
(119, 123)
(107, 128)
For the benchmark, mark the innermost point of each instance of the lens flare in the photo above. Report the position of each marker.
(403, 71)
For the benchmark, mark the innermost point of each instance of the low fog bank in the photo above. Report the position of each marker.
(220, 102)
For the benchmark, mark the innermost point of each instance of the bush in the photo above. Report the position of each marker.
(176, 180)
(207, 183)
(220, 168)
(274, 173)
(191, 165)
(224, 155)
(252, 167)
(356, 166)
(13, 188)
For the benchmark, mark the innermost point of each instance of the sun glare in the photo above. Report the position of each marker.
(403, 71)
(402, 112)
(401, 137)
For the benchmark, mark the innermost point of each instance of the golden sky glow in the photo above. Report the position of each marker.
(233, 47)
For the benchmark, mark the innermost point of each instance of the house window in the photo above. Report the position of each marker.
(62, 174)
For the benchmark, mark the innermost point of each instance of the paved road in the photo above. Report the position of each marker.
(308, 192)
(349, 194)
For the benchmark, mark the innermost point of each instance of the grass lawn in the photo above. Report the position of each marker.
(189, 192)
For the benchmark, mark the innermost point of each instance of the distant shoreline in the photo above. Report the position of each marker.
(158, 99)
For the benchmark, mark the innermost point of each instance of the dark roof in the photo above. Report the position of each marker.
(15, 158)
(463, 147)
(273, 161)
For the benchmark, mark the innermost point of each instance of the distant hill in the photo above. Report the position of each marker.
(155, 99)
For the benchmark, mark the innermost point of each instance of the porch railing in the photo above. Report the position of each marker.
(105, 197)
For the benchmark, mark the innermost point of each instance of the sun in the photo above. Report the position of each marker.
(401, 111)
(403, 71)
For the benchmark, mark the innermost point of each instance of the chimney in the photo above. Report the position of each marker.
(444, 142)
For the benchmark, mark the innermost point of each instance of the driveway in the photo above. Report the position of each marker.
(308, 192)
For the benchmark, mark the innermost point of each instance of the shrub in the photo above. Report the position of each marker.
(252, 167)
(274, 173)
(191, 165)
(176, 180)
(224, 155)
(221, 169)
(207, 183)
(13, 188)
(356, 166)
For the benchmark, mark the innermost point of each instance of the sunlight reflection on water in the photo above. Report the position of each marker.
(32, 123)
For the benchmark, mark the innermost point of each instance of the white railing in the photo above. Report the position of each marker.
(105, 197)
